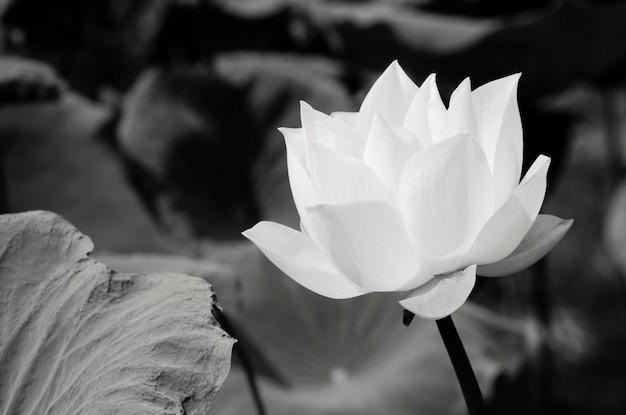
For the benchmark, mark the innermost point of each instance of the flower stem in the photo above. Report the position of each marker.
(462, 367)
(244, 357)
(407, 317)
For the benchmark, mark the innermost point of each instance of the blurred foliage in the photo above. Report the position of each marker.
(165, 141)
(55, 159)
(24, 81)
(356, 356)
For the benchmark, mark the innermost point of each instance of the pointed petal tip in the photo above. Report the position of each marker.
(466, 83)
(249, 233)
(395, 65)
(531, 191)
(512, 81)
(289, 131)
(545, 234)
(259, 227)
(542, 158)
(285, 130)
(565, 225)
(431, 79)
(304, 106)
(514, 78)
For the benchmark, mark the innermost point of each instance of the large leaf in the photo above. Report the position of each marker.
(221, 276)
(78, 338)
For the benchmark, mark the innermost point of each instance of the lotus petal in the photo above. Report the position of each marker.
(506, 173)
(532, 189)
(368, 242)
(321, 128)
(304, 194)
(338, 178)
(445, 195)
(348, 118)
(297, 256)
(460, 117)
(497, 115)
(442, 295)
(294, 142)
(545, 233)
(516, 216)
(426, 113)
(501, 234)
(390, 97)
(387, 150)
(498, 118)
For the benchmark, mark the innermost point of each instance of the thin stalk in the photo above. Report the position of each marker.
(462, 367)
(246, 362)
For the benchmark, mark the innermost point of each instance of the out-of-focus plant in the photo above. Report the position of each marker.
(28, 81)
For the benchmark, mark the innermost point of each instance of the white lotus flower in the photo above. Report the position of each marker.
(406, 195)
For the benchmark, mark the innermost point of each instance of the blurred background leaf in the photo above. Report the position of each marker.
(23, 80)
(356, 356)
(55, 159)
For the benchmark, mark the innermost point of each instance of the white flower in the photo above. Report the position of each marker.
(406, 195)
